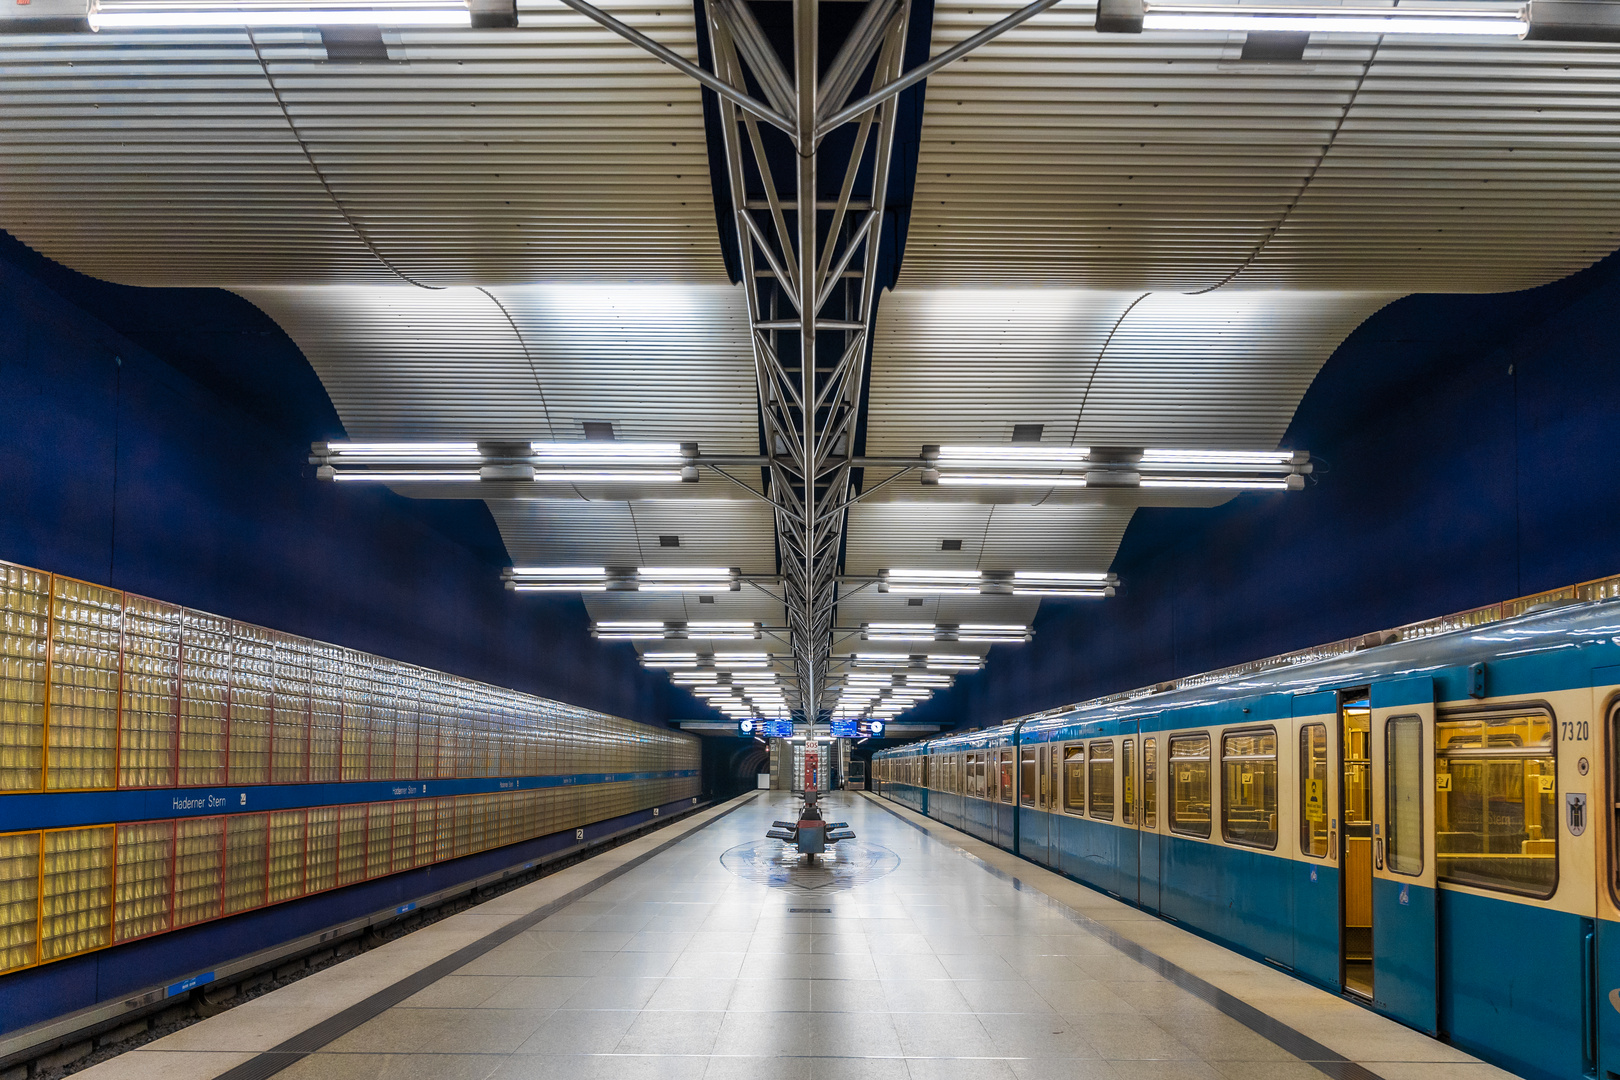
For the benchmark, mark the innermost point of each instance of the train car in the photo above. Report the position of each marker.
(971, 783)
(902, 775)
(1412, 824)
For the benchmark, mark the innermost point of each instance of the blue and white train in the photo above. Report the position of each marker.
(1426, 825)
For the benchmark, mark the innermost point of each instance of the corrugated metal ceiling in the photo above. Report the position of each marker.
(1128, 241)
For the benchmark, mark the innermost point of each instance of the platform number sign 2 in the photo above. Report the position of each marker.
(579, 834)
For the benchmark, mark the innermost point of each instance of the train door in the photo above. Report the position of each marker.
(1405, 938)
(1027, 841)
(1006, 809)
(1148, 860)
(1356, 846)
(1130, 813)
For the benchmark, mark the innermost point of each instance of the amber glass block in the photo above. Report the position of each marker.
(145, 879)
(25, 606)
(76, 878)
(19, 900)
(380, 840)
(325, 713)
(428, 712)
(460, 731)
(286, 855)
(427, 832)
(444, 833)
(320, 864)
(289, 763)
(477, 822)
(406, 709)
(252, 694)
(351, 862)
(463, 827)
(508, 805)
(246, 837)
(404, 837)
(384, 714)
(199, 862)
(150, 716)
(205, 683)
(82, 737)
(356, 697)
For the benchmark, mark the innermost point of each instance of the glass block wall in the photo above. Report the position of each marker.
(160, 767)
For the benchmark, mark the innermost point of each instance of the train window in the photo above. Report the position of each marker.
(1127, 768)
(1028, 764)
(1403, 793)
(1313, 770)
(1249, 787)
(1100, 778)
(1074, 778)
(1005, 760)
(1496, 801)
(1150, 783)
(1189, 785)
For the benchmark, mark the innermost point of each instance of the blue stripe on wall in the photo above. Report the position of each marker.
(56, 810)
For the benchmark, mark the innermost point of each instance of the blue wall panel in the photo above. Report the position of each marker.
(183, 477)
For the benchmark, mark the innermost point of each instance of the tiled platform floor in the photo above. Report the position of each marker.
(682, 969)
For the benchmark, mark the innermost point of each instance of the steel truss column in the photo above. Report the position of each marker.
(809, 264)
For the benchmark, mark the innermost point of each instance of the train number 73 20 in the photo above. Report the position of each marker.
(1575, 730)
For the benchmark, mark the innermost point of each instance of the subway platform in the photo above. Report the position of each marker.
(703, 951)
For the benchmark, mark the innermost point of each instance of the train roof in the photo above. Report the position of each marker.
(1552, 630)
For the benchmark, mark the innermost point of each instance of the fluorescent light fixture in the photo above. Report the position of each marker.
(933, 590)
(628, 476)
(559, 571)
(659, 573)
(1076, 576)
(1257, 483)
(559, 588)
(148, 20)
(1009, 480)
(509, 462)
(401, 477)
(603, 451)
(1346, 20)
(400, 452)
(1055, 457)
(1240, 458)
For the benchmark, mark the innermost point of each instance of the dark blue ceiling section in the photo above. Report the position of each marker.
(156, 439)
(1466, 454)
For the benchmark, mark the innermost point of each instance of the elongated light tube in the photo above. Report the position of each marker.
(409, 477)
(1233, 19)
(1253, 483)
(628, 476)
(156, 20)
(1009, 480)
(401, 452)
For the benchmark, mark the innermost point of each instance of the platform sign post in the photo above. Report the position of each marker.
(1405, 938)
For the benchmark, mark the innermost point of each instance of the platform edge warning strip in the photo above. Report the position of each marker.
(269, 1062)
(1296, 1042)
